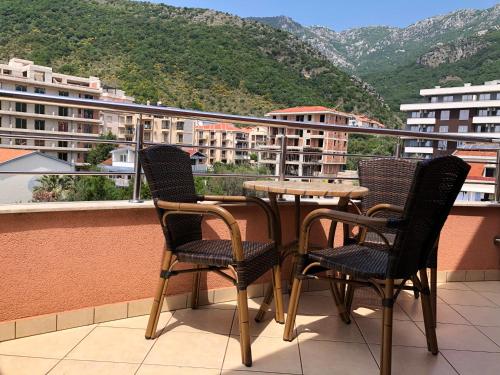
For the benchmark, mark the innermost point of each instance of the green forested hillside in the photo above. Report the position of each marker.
(191, 58)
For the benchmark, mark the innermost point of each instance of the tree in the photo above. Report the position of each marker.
(53, 188)
(101, 151)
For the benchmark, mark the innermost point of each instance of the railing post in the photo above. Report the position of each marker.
(282, 165)
(139, 132)
(397, 152)
(497, 178)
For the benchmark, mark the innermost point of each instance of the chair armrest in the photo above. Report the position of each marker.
(374, 224)
(384, 207)
(206, 209)
(271, 216)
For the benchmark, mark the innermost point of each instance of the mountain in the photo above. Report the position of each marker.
(191, 58)
(402, 56)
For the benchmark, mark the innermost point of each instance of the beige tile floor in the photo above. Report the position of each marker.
(205, 341)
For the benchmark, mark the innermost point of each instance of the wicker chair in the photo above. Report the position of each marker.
(168, 172)
(434, 188)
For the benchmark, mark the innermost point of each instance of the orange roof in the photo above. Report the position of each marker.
(7, 154)
(190, 151)
(477, 169)
(226, 126)
(475, 153)
(304, 109)
(108, 161)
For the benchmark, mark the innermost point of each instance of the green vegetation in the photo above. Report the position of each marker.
(368, 145)
(100, 152)
(190, 58)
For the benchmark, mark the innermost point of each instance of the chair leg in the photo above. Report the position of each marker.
(429, 323)
(433, 288)
(278, 295)
(386, 349)
(344, 314)
(195, 293)
(348, 298)
(246, 352)
(292, 309)
(161, 291)
(268, 298)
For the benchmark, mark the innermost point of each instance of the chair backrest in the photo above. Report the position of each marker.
(435, 187)
(170, 178)
(388, 180)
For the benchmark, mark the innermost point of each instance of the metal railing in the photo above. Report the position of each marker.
(282, 150)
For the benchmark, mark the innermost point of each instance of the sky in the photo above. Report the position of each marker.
(339, 14)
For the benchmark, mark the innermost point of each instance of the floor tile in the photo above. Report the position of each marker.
(415, 361)
(191, 349)
(492, 296)
(139, 322)
(268, 327)
(201, 320)
(484, 286)
(464, 297)
(239, 372)
(11, 365)
(404, 332)
(483, 316)
(344, 358)
(72, 367)
(316, 304)
(473, 363)
(492, 332)
(113, 344)
(462, 337)
(330, 328)
(47, 345)
(174, 370)
(453, 285)
(445, 314)
(269, 355)
(375, 312)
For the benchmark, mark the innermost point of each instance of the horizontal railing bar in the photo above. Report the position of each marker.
(56, 137)
(247, 120)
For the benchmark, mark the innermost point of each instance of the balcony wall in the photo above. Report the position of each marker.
(76, 255)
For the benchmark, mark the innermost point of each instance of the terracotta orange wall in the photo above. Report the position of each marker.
(58, 261)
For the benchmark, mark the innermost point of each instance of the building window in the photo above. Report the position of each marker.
(87, 128)
(20, 142)
(321, 118)
(463, 128)
(39, 124)
(39, 90)
(483, 112)
(62, 156)
(448, 98)
(485, 96)
(39, 142)
(63, 111)
(21, 123)
(434, 99)
(39, 109)
(274, 117)
(123, 158)
(63, 93)
(165, 124)
(62, 144)
(299, 118)
(62, 126)
(464, 114)
(467, 98)
(309, 117)
(21, 88)
(180, 138)
(445, 115)
(21, 107)
(180, 125)
(285, 118)
(88, 113)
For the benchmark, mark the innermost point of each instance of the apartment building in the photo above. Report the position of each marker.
(466, 109)
(314, 142)
(224, 135)
(22, 117)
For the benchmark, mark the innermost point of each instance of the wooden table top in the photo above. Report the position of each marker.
(320, 189)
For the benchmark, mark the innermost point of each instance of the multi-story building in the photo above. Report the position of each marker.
(315, 142)
(466, 109)
(223, 135)
(23, 117)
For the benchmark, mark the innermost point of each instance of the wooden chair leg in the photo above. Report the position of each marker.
(195, 293)
(429, 323)
(278, 295)
(161, 291)
(386, 349)
(292, 309)
(433, 288)
(344, 314)
(246, 352)
(348, 298)
(268, 298)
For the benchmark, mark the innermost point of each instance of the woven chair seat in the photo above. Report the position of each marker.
(360, 261)
(374, 238)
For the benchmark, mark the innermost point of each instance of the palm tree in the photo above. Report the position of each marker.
(53, 188)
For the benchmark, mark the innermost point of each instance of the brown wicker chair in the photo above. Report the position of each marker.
(168, 172)
(434, 188)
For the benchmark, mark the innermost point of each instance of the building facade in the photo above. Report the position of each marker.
(466, 109)
(314, 142)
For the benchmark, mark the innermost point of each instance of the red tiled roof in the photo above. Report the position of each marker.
(475, 153)
(226, 126)
(303, 109)
(7, 154)
(108, 161)
(477, 169)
